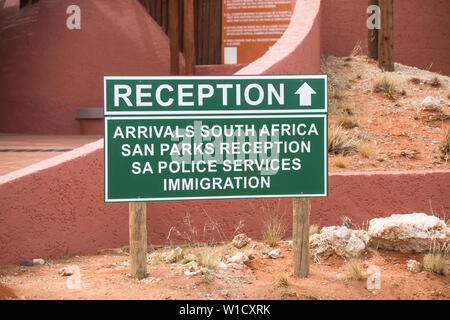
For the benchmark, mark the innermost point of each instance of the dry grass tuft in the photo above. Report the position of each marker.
(415, 80)
(273, 223)
(339, 161)
(205, 258)
(348, 109)
(281, 281)
(385, 85)
(367, 149)
(436, 260)
(355, 269)
(444, 146)
(338, 94)
(207, 277)
(436, 81)
(338, 143)
(357, 50)
(313, 229)
(346, 121)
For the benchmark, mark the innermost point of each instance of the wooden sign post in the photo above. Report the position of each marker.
(138, 240)
(300, 234)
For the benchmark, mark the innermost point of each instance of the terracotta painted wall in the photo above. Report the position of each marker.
(58, 203)
(47, 70)
(421, 31)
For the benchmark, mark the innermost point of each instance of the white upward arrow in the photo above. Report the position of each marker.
(305, 92)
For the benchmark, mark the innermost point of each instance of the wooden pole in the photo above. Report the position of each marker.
(372, 39)
(174, 34)
(386, 36)
(138, 239)
(300, 235)
(189, 37)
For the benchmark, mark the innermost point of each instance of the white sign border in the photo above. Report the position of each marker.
(325, 194)
(232, 77)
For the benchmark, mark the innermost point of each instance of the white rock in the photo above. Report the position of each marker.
(38, 261)
(240, 240)
(172, 256)
(275, 253)
(431, 104)
(222, 266)
(259, 248)
(239, 257)
(355, 246)
(191, 266)
(413, 232)
(237, 266)
(66, 271)
(414, 266)
(190, 257)
(342, 240)
(320, 246)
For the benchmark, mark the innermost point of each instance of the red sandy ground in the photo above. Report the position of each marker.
(394, 124)
(105, 276)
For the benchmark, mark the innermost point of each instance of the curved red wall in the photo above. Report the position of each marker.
(47, 70)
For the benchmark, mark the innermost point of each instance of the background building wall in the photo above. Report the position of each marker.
(421, 31)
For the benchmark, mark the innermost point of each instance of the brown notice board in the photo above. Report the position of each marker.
(251, 27)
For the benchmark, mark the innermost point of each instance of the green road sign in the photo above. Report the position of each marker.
(156, 95)
(269, 142)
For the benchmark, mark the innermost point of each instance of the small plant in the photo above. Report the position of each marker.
(355, 269)
(273, 223)
(444, 146)
(207, 277)
(385, 85)
(365, 136)
(348, 109)
(346, 222)
(281, 282)
(436, 260)
(206, 259)
(415, 80)
(435, 81)
(395, 285)
(313, 229)
(366, 149)
(338, 94)
(155, 261)
(346, 121)
(339, 161)
(357, 49)
(338, 143)
(66, 254)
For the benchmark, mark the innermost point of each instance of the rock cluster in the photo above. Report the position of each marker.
(343, 241)
(415, 232)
